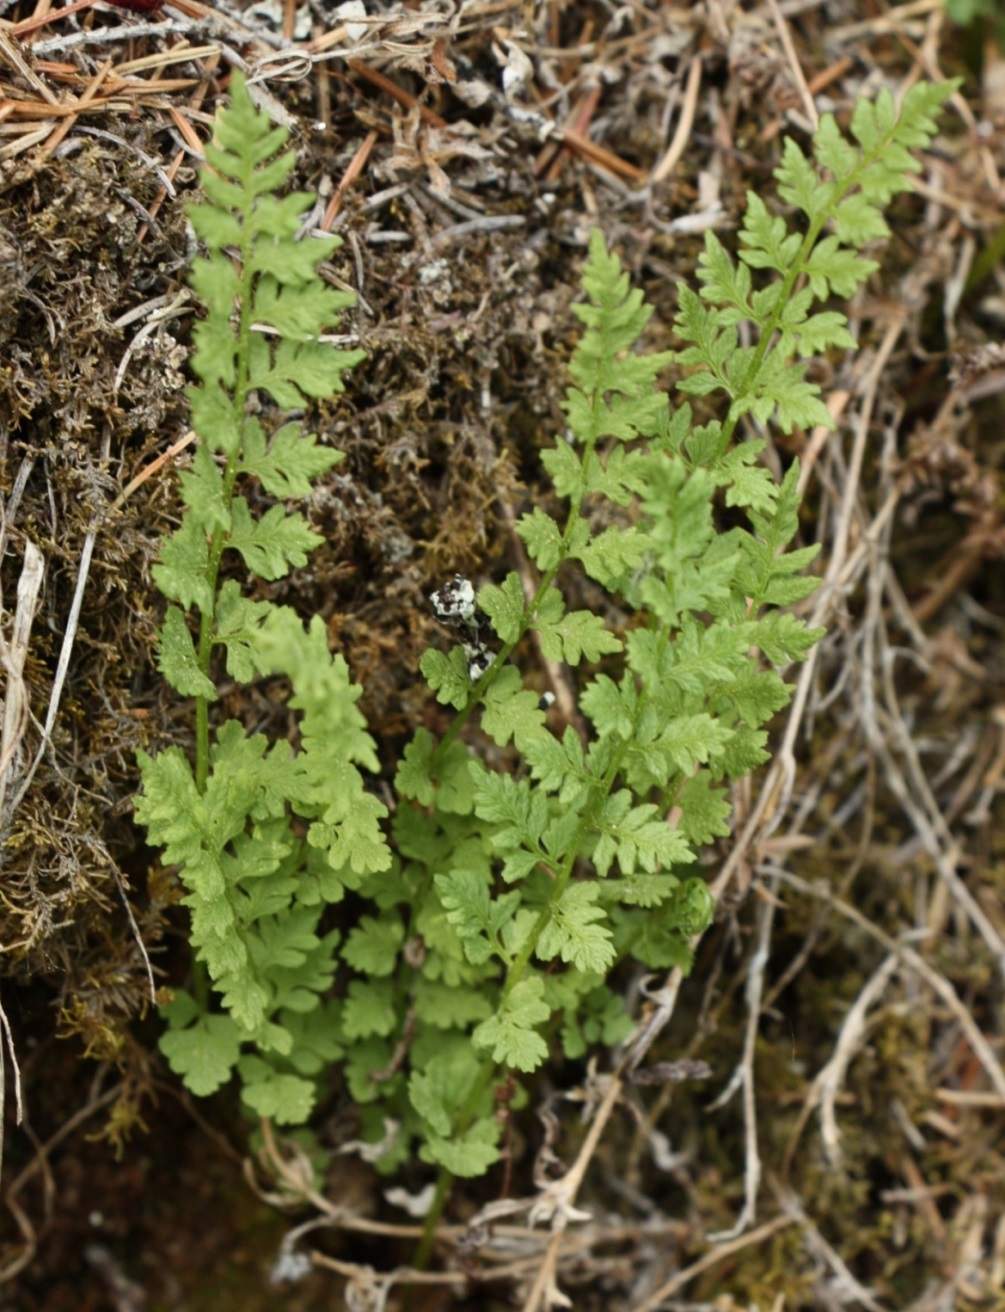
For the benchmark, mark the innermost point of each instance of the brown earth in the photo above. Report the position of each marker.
(466, 152)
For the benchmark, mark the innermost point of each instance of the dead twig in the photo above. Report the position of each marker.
(16, 703)
(6, 1038)
(40, 1165)
(685, 123)
(845, 1287)
(830, 1080)
(718, 1254)
(936, 982)
(743, 1077)
(356, 166)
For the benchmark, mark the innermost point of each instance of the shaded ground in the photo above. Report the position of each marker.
(877, 1119)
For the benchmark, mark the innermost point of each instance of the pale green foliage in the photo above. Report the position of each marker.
(255, 889)
(582, 866)
(485, 931)
(844, 187)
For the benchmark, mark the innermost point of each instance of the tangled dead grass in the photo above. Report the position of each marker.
(847, 1004)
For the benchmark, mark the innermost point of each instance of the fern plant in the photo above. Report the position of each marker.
(493, 908)
(255, 887)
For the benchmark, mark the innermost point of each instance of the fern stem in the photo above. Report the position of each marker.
(238, 401)
(771, 327)
(547, 579)
(798, 268)
(516, 970)
(425, 1249)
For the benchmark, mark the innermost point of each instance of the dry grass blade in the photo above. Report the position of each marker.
(13, 653)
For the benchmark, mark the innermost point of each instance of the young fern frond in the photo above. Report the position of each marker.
(586, 869)
(254, 888)
(761, 379)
